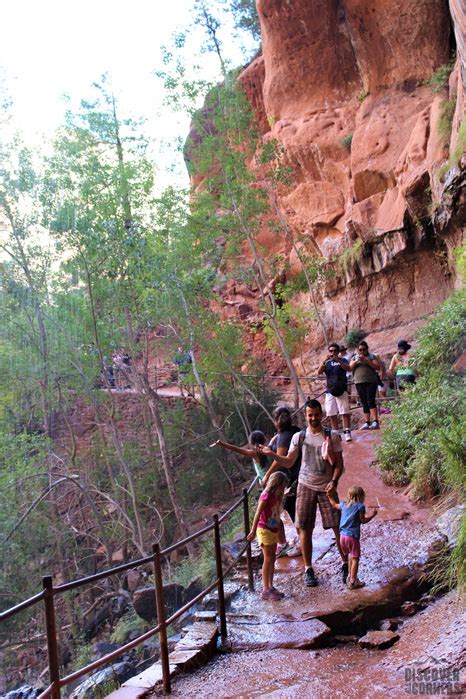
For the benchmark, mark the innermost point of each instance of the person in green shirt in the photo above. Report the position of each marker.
(365, 365)
(400, 368)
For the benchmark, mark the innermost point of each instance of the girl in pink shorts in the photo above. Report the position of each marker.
(353, 514)
(266, 525)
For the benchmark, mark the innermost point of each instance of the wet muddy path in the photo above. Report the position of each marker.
(307, 644)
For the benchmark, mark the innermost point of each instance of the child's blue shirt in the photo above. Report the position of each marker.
(350, 524)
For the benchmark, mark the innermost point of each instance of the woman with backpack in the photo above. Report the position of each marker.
(365, 367)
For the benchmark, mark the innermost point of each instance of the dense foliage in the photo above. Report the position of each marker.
(424, 441)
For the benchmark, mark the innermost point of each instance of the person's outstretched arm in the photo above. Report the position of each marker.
(365, 520)
(286, 461)
(274, 466)
(244, 451)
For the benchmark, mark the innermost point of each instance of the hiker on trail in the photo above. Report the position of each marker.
(383, 387)
(280, 444)
(125, 368)
(250, 451)
(183, 360)
(400, 369)
(336, 397)
(353, 514)
(365, 365)
(266, 526)
(117, 359)
(344, 354)
(321, 468)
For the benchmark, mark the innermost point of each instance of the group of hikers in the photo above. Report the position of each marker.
(306, 466)
(369, 374)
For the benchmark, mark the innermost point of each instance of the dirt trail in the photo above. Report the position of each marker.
(271, 649)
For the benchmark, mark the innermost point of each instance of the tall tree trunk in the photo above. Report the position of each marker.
(290, 237)
(205, 396)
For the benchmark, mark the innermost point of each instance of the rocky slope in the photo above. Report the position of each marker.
(346, 87)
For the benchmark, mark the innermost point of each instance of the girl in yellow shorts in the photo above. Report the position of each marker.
(266, 525)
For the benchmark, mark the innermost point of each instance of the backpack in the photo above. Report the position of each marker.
(336, 385)
(336, 381)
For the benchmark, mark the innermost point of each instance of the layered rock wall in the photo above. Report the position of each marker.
(346, 87)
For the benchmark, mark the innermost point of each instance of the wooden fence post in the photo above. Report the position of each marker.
(246, 532)
(221, 593)
(51, 632)
(160, 603)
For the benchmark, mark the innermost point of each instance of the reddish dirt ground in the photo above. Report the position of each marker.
(272, 645)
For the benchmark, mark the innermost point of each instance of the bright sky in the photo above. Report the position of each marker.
(52, 47)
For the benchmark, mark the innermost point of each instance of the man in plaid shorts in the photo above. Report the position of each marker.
(317, 477)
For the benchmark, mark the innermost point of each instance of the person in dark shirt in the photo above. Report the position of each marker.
(335, 368)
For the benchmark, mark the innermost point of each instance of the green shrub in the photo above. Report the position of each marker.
(349, 257)
(449, 566)
(439, 80)
(347, 140)
(445, 120)
(423, 440)
(354, 336)
(362, 96)
(82, 655)
(440, 341)
(458, 151)
(128, 623)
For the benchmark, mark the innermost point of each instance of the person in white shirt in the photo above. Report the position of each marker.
(321, 468)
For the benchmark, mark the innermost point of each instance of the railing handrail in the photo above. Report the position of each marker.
(73, 584)
(22, 605)
(49, 592)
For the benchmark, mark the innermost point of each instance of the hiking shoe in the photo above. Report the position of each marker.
(282, 550)
(277, 592)
(310, 578)
(366, 426)
(374, 425)
(348, 437)
(355, 585)
(344, 572)
(271, 595)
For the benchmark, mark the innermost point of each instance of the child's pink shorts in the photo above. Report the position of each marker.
(350, 546)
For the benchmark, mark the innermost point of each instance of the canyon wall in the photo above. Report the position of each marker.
(346, 87)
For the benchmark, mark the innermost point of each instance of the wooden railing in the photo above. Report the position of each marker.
(49, 592)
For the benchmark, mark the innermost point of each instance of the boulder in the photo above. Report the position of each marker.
(102, 682)
(449, 523)
(24, 692)
(144, 601)
(409, 608)
(389, 625)
(378, 640)
(194, 588)
(102, 648)
(133, 579)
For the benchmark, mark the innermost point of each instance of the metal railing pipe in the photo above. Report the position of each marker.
(248, 546)
(51, 631)
(160, 604)
(220, 589)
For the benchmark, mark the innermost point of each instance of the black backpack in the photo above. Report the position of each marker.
(336, 382)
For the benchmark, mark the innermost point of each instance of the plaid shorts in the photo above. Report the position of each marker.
(306, 508)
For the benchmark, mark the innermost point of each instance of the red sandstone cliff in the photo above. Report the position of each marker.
(332, 69)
